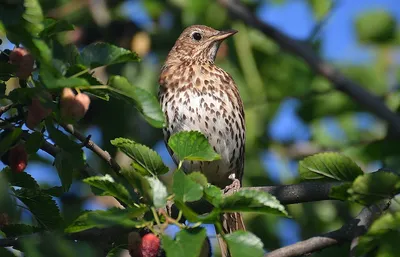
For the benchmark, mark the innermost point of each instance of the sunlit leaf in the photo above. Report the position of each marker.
(187, 243)
(185, 188)
(151, 188)
(100, 54)
(113, 217)
(146, 160)
(244, 243)
(248, 200)
(329, 165)
(193, 146)
(110, 187)
(146, 103)
(373, 187)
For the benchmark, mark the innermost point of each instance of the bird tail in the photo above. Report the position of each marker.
(231, 222)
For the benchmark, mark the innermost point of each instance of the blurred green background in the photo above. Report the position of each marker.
(291, 112)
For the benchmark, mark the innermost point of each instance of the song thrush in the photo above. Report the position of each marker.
(195, 94)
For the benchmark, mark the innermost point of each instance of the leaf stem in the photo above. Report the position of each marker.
(179, 215)
(79, 73)
(156, 218)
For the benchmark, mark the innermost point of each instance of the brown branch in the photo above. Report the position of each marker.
(304, 51)
(354, 228)
(92, 146)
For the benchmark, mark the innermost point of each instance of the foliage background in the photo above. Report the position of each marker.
(291, 112)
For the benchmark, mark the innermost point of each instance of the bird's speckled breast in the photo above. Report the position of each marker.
(203, 97)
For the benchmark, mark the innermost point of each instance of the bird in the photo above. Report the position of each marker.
(197, 95)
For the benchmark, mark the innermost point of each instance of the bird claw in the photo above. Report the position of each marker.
(233, 187)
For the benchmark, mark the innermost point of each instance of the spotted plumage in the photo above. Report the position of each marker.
(195, 94)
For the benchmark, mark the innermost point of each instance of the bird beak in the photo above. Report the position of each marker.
(225, 34)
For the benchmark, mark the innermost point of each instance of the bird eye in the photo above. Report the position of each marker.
(196, 36)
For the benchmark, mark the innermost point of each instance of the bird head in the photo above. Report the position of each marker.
(198, 42)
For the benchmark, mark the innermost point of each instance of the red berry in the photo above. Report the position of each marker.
(150, 245)
(18, 158)
(24, 60)
(36, 113)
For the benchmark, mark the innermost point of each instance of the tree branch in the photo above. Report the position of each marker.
(354, 228)
(92, 146)
(304, 51)
(300, 193)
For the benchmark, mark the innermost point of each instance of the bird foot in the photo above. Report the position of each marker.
(233, 187)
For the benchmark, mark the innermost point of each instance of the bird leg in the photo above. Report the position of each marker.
(233, 187)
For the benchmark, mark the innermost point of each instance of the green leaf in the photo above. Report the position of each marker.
(100, 54)
(341, 192)
(145, 160)
(329, 165)
(158, 192)
(21, 179)
(52, 27)
(9, 139)
(77, 69)
(210, 218)
(54, 191)
(193, 146)
(53, 244)
(376, 27)
(244, 243)
(129, 218)
(199, 178)
(110, 187)
(380, 236)
(248, 200)
(146, 103)
(42, 206)
(213, 194)
(373, 187)
(52, 80)
(320, 7)
(187, 243)
(185, 188)
(64, 163)
(34, 142)
(151, 188)
(26, 14)
(14, 230)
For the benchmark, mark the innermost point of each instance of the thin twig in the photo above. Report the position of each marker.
(92, 146)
